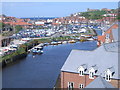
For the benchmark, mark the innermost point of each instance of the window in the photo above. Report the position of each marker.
(82, 69)
(91, 75)
(81, 73)
(109, 73)
(81, 86)
(107, 36)
(70, 85)
(107, 77)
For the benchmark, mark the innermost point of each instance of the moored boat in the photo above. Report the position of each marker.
(59, 42)
(37, 50)
(90, 39)
(64, 42)
(54, 43)
(46, 44)
(71, 41)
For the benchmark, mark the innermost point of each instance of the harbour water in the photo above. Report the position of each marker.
(41, 71)
(39, 18)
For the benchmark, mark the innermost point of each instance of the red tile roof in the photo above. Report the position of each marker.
(17, 23)
(55, 23)
(109, 31)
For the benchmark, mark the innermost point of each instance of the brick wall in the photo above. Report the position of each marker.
(115, 83)
(109, 31)
(74, 77)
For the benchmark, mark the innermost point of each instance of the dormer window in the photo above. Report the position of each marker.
(92, 71)
(82, 69)
(103, 32)
(91, 75)
(109, 73)
(81, 73)
(107, 38)
(107, 77)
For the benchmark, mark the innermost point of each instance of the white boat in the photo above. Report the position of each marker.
(72, 41)
(37, 50)
(59, 42)
(90, 39)
(64, 42)
(54, 43)
(41, 45)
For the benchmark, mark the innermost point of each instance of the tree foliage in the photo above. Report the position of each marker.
(1, 25)
(18, 28)
(93, 14)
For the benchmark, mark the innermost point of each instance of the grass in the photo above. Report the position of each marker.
(0, 58)
(61, 38)
(23, 48)
(9, 56)
(48, 40)
(43, 40)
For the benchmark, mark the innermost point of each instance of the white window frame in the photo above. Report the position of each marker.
(71, 88)
(82, 73)
(107, 40)
(91, 75)
(108, 77)
(107, 36)
(81, 85)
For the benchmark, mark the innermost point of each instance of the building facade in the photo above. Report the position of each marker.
(107, 36)
(82, 68)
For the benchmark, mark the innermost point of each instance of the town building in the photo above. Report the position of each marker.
(105, 9)
(107, 34)
(82, 67)
(93, 69)
(4, 41)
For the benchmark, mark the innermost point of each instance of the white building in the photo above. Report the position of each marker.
(39, 22)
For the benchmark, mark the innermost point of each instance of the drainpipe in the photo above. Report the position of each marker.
(85, 80)
(63, 80)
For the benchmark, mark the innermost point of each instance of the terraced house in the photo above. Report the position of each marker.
(93, 69)
(107, 36)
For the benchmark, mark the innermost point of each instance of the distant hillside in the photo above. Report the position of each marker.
(96, 14)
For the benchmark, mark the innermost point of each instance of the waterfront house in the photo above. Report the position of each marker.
(86, 69)
(107, 34)
(83, 67)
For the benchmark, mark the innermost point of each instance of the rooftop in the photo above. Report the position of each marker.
(99, 82)
(104, 57)
(115, 33)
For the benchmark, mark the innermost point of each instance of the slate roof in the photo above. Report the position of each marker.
(84, 66)
(109, 26)
(102, 57)
(112, 47)
(99, 82)
(116, 34)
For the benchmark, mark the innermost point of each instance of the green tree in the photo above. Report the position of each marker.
(18, 28)
(1, 25)
(93, 14)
